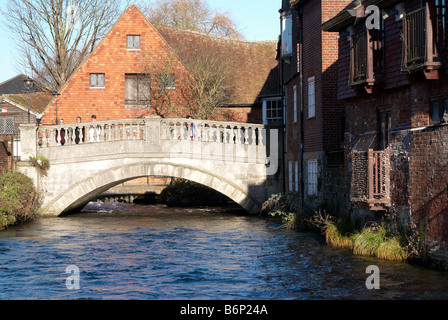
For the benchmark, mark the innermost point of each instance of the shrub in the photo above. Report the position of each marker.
(18, 199)
(42, 163)
(276, 203)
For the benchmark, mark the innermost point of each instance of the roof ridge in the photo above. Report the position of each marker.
(2, 83)
(157, 25)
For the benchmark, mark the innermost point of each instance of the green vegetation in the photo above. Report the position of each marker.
(287, 209)
(18, 199)
(181, 193)
(42, 163)
(370, 240)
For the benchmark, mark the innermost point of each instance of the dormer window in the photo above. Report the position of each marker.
(133, 42)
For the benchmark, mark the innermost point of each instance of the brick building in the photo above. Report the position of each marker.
(13, 113)
(393, 83)
(123, 76)
(313, 116)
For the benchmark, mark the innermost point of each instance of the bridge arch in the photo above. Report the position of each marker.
(80, 193)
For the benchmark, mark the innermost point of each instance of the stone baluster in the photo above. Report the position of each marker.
(246, 135)
(253, 136)
(238, 135)
(53, 138)
(224, 135)
(260, 137)
(216, 133)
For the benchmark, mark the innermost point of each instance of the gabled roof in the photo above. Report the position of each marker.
(14, 85)
(255, 61)
(38, 101)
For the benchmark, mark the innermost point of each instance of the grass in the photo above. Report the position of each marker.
(372, 240)
(391, 250)
(335, 237)
(367, 242)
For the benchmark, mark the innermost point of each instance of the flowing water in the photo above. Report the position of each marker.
(127, 252)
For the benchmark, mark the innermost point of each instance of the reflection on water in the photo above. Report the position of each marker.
(134, 252)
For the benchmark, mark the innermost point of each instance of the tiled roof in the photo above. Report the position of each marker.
(255, 61)
(14, 85)
(38, 100)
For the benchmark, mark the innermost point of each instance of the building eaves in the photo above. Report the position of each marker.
(348, 16)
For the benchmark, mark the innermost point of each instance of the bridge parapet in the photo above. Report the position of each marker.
(151, 129)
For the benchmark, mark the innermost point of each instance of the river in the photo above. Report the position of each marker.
(125, 252)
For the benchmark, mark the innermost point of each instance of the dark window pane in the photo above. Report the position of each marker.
(435, 115)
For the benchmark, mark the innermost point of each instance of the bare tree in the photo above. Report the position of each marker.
(193, 15)
(167, 80)
(201, 92)
(55, 36)
(211, 85)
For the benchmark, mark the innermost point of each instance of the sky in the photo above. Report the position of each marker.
(258, 20)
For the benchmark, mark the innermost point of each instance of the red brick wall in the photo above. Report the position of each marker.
(252, 114)
(428, 187)
(324, 132)
(112, 58)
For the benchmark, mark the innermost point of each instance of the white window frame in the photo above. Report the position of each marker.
(311, 97)
(313, 175)
(95, 82)
(286, 35)
(278, 108)
(131, 39)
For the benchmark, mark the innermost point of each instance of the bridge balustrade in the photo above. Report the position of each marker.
(137, 129)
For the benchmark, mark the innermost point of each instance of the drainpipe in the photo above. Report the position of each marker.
(300, 53)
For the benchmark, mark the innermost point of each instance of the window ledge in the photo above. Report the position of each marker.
(136, 106)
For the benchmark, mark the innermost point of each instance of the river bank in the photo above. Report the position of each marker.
(371, 238)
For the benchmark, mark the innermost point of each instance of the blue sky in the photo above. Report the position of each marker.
(258, 20)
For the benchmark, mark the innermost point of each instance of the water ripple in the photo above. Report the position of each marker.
(159, 253)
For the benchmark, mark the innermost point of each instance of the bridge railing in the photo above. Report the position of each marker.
(92, 132)
(137, 129)
(212, 131)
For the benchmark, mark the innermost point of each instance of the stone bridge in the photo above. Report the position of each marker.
(87, 159)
